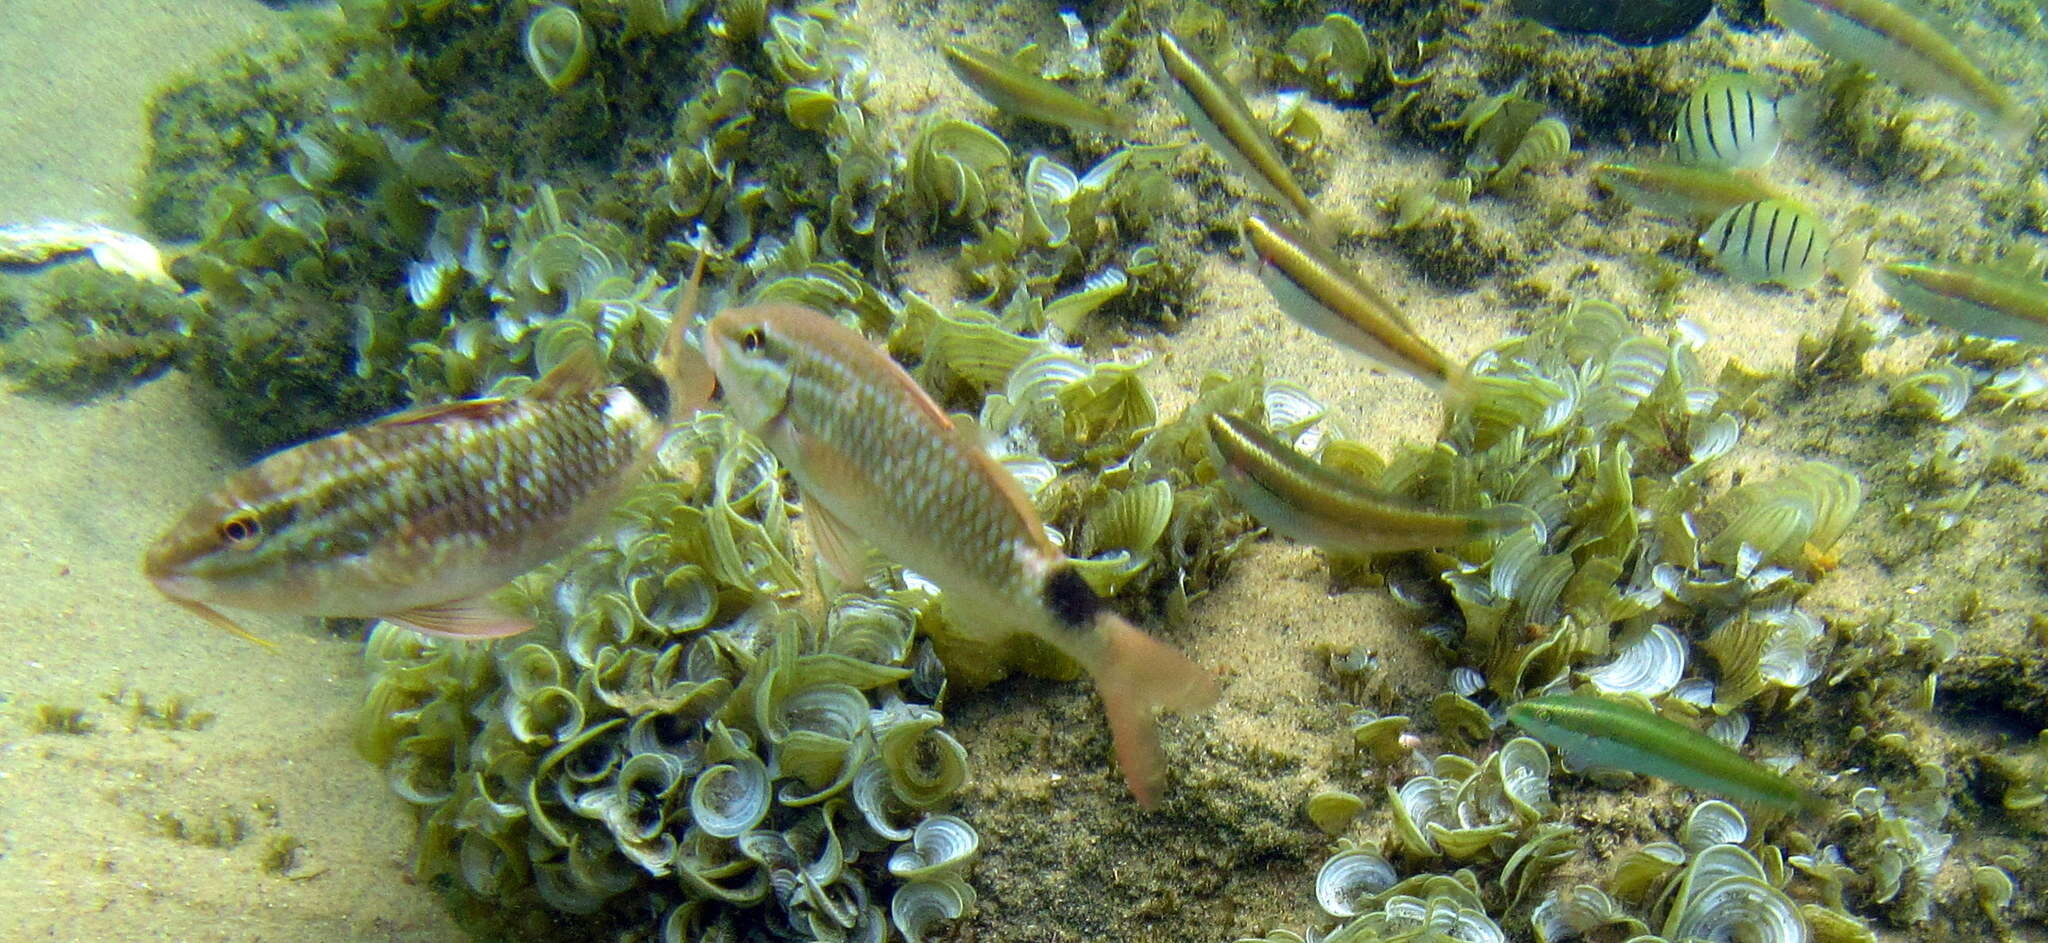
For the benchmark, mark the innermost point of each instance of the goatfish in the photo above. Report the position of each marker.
(1670, 189)
(1982, 301)
(1326, 296)
(1220, 118)
(881, 467)
(416, 517)
(1296, 497)
(1593, 731)
(1907, 48)
(1012, 88)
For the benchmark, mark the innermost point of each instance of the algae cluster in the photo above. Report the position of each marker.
(426, 200)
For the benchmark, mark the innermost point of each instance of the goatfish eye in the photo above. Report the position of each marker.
(241, 530)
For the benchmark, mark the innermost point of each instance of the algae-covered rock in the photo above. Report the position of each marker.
(75, 331)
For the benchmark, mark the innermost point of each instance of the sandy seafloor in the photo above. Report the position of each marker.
(83, 490)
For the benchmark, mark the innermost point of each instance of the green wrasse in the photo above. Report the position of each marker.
(879, 464)
(1983, 301)
(1670, 189)
(1592, 731)
(1218, 114)
(1015, 89)
(1300, 499)
(415, 518)
(1906, 47)
(1328, 297)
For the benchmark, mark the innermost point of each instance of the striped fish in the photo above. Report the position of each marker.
(1302, 500)
(1015, 89)
(1905, 46)
(415, 518)
(1770, 241)
(1983, 301)
(1593, 731)
(1727, 123)
(880, 466)
(1220, 118)
(1328, 297)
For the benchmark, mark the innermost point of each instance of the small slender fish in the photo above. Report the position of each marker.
(1770, 241)
(1668, 189)
(1593, 731)
(1298, 498)
(1326, 296)
(1907, 48)
(1220, 118)
(1020, 91)
(415, 518)
(1978, 300)
(1728, 122)
(881, 466)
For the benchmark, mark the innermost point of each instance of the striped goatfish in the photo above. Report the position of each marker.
(881, 466)
(1220, 118)
(415, 518)
(1300, 499)
(1906, 47)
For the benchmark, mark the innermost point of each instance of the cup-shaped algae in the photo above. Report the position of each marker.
(558, 46)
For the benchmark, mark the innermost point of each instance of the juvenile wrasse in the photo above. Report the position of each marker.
(1220, 118)
(1770, 241)
(1593, 731)
(1015, 89)
(881, 467)
(1902, 46)
(1727, 122)
(1326, 296)
(415, 518)
(1298, 498)
(1978, 300)
(1670, 189)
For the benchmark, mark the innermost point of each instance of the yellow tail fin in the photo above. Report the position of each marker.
(1138, 674)
(683, 367)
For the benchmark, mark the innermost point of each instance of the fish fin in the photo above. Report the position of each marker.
(1139, 673)
(476, 410)
(580, 372)
(691, 383)
(208, 613)
(472, 618)
(850, 560)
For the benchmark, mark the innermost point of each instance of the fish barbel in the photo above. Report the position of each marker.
(416, 517)
(880, 465)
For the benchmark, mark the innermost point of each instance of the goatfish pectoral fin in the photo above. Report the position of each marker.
(468, 619)
(212, 615)
(1139, 673)
(684, 369)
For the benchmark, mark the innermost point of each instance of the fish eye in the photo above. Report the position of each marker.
(752, 341)
(240, 528)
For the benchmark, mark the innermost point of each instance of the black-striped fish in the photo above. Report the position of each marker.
(415, 518)
(881, 467)
(1770, 241)
(1728, 122)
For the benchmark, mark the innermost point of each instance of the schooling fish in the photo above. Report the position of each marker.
(1298, 498)
(1593, 731)
(415, 518)
(1983, 301)
(1328, 297)
(1906, 47)
(1013, 88)
(1770, 241)
(1726, 122)
(1218, 114)
(880, 465)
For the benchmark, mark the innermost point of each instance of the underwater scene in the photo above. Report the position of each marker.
(1131, 470)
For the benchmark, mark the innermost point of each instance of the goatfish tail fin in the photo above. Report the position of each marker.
(683, 367)
(1139, 674)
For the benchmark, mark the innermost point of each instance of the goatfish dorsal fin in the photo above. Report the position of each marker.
(473, 410)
